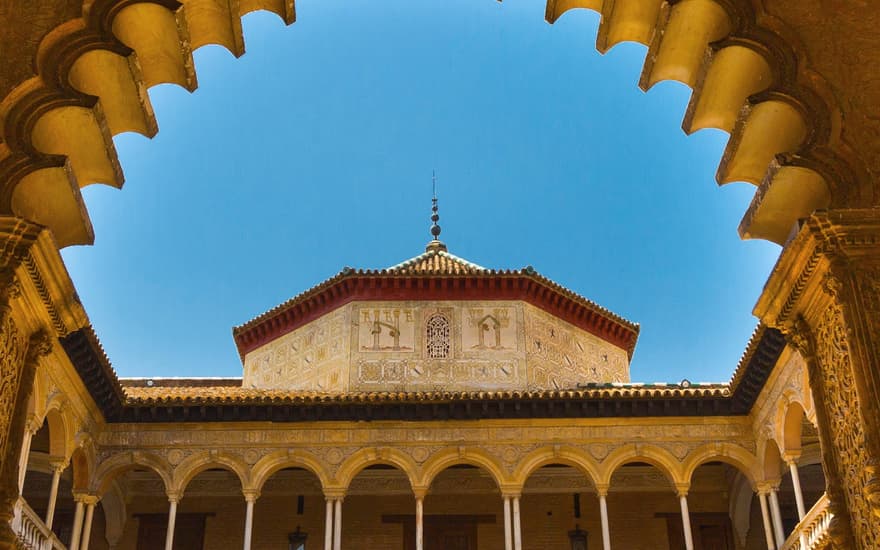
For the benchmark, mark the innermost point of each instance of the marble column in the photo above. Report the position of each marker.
(765, 516)
(250, 497)
(517, 525)
(603, 514)
(328, 524)
(420, 512)
(76, 530)
(337, 524)
(777, 517)
(90, 502)
(172, 518)
(791, 460)
(508, 539)
(58, 467)
(686, 520)
(32, 428)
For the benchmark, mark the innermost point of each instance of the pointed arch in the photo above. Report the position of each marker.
(197, 463)
(272, 463)
(552, 454)
(370, 456)
(658, 457)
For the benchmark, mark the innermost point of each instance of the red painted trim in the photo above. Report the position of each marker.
(369, 288)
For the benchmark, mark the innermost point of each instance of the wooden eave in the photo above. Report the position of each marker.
(227, 403)
(350, 286)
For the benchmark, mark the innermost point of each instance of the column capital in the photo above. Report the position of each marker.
(681, 489)
(602, 489)
(33, 424)
(89, 499)
(511, 491)
(763, 488)
(250, 495)
(174, 496)
(334, 493)
(58, 463)
(420, 492)
(790, 457)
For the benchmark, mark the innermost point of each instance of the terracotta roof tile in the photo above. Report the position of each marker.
(145, 396)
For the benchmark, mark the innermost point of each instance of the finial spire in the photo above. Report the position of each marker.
(435, 217)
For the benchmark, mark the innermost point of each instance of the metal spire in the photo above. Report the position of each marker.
(435, 217)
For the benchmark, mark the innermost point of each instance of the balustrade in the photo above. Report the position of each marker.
(31, 531)
(812, 532)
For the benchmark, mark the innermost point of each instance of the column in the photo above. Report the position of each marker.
(508, 541)
(765, 515)
(603, 512)
(77, 522)
(777, 517)
(90, 501)
(420, 512)
(58, 467)
(517, 526)
(328, 524)
(796, 483)
(686, 520)
(29, 432)
(250, 497)
(172, 518)
(337, 524)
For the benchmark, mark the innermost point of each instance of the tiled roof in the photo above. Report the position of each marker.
(158, 395)
(435, 262)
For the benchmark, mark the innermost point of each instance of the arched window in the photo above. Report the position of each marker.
(437, 337)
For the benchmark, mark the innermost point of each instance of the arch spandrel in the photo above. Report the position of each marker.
(371, 456)
(658, 457)
(729, 453)
(272, 463)
(111, 468)
(452, 456)
(552, 454)
(197, 463)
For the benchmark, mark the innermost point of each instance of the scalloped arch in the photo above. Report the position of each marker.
(93, 73)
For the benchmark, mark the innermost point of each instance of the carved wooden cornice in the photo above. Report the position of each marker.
(227, 403)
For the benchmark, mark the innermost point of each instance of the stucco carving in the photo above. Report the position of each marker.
(847, 436)
(453, 346)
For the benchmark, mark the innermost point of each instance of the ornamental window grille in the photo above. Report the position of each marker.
(437, 337)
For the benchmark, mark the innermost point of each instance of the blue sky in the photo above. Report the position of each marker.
(314, 151)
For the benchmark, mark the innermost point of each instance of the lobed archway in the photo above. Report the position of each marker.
(93, 72)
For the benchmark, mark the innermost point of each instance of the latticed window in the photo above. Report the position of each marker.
(437, 337)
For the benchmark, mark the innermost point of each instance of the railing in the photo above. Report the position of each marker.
(812, 532)
(31, 531)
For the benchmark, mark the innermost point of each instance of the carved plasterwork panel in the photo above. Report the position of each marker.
(560, 355)
(12, 351)
(847, 434)
(437, 345)
(312, 357)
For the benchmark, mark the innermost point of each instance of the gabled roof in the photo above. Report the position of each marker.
(435, 275)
